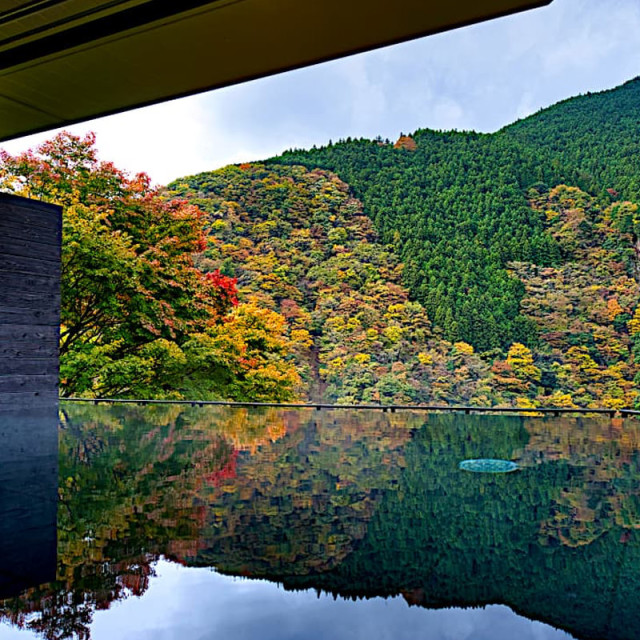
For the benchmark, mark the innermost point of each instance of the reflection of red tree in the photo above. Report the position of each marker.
(227, 472)
(134, 577)
(190, 491)
(180, 551)
(415, 597)
(300, 505)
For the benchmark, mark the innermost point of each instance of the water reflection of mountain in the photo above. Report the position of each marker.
(446, 538)
(358, 504)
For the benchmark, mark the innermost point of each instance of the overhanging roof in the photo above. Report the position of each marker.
(64, 61)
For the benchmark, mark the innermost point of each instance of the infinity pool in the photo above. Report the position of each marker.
(169, 522)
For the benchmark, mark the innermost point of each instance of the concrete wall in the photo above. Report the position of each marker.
(30, 241)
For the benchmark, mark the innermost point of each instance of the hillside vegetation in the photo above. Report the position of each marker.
(138, 318)
(455, 204)
(299, 244)
(457, 214)
(447, 267)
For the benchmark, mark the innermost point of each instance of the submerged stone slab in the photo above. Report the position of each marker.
(488, 465)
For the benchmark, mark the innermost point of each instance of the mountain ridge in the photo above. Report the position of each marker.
(474, 219)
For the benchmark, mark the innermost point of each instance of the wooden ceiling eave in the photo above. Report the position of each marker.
(114, 61)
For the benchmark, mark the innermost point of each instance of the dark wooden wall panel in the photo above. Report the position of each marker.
(30, 244)
(30, 252)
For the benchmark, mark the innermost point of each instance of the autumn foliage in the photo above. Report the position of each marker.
(300, 244)
(138, 317)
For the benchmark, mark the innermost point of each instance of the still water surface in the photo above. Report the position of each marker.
(220, 522)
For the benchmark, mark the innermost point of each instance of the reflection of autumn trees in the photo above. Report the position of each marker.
(130, 490)
(138, 483)
(445, 537)
(356, 503)
(302, 504)
(605, 492)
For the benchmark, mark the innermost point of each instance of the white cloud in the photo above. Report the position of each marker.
(155, 139)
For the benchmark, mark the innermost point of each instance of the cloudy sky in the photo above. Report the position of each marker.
(199, 603)
(480, 77)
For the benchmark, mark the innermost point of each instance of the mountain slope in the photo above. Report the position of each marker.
(450, 266)
(455, 204)
(589, 141)
(456, 212)
(297, 242)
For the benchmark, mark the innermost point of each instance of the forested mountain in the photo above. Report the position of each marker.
(456, 212)
(590, 141)
(299, 244)
(455, 203)
(447, 267)
(464, 212)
